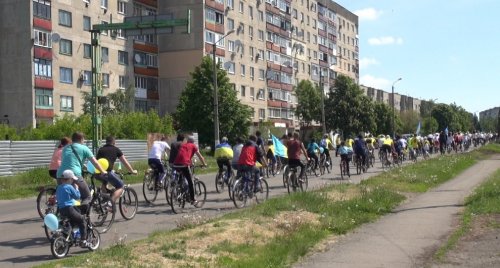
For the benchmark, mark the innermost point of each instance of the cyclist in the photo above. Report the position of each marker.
(250, 154)
(110, 152)
(55, 161)
(174, 148)
(67, 194)
(387, 146)
(345, 153)
(154, 159)
(72, 158)
(295, 148)
(270, 154)
(338, 141)
(326, 144)
(312, 151)
(183, 161)
(413, 145)
(236, 153)
(360, 150)
(223, 154)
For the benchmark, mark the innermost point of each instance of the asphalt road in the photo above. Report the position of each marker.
(23, 242)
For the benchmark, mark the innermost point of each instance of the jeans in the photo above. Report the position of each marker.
(76, 218)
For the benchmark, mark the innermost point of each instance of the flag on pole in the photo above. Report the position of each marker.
(418, 128)
(279, 148)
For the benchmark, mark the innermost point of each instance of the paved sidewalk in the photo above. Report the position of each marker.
(409, 236)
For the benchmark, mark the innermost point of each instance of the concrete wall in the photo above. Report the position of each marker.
(16, 71)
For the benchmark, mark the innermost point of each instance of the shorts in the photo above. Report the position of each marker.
(112, 179)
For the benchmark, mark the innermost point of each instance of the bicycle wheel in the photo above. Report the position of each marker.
(359, 167)
(230, 185)
(149, 189)
(219, 181)
(342, 171)
(59, 247)
(286, 174)
(291, 184)
(200, 193)
(322, 166)
(94, 239)
(46, 202)
(304, 183)
(262, 193)
(102, 213)
(128, 203)
(239, 194)
(177, 198)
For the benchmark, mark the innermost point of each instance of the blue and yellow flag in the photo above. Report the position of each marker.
(279, 148)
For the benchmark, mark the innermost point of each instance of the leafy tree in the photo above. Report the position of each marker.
(120, 101)
(195, 111)
(347, 109)
(410, 121)
(444, 116)
(383, 118)
(429, 125)
(309, 102)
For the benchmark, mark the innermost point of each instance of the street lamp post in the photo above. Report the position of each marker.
(323, 121)
(393, 111)
(216, 99)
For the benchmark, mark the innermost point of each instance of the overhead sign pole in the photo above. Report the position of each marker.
(158, 24)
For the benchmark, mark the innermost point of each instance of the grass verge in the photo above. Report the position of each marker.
(483, 201)
(280, 231)
(28, 184)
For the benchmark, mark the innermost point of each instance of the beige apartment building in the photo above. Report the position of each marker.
(275, 44)
(401, 102)
(46, 57)
(46, 64)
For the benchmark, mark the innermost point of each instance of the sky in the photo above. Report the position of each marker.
(444, 50)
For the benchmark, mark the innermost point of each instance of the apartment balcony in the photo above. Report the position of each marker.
(322, 32)
(151, 3)
(218, 51)
(322, 18)
(42, 24)
(44, 82)
(273, 66)
(286, 69)
(323, 48)
(272, 8)
(215, 5)
(153, 94)
(44, 113)
(42, 53)
(147, 47)
(357, 49)
(273, 47)
(218, 28)
(147, 71)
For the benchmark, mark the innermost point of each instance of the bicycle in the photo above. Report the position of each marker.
(128, 202)
(179, 192)
(101, 208)
(245, 188)
(46, 201)
(310, 167)
(149, 188)
(324, 164)
(65, 237)
(294, 184)
(222, 179)
(344, 167)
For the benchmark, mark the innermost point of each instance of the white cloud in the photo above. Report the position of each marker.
(368, 13)
(375, 82)
(385, 40)
(366, 62)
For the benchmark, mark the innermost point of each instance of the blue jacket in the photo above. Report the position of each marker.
(66, 195)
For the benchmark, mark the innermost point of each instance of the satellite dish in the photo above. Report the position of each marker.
(227, 65)
(137, 58)
(55, 37)
(237, 43)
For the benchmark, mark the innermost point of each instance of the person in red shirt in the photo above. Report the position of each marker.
(250, 154)
(182, 163)
(295, 148)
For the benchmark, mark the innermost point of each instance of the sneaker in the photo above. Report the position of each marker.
(108, 206)
(302, 180)
(85, 244)
(194, 202)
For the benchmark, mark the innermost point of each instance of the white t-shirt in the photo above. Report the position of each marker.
(158, 148)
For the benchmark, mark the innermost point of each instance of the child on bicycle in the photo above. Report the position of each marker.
(345, 153)
(67, 194)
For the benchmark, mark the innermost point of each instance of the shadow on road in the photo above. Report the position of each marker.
(25, 221)
(428, 207)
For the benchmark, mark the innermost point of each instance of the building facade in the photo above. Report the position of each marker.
(490, 113)
(46, 57)
(275, 44)
(402, 103)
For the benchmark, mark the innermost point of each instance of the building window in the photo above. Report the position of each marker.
(261, 35)
(87, 78)
(86, 23)
(43, 68)
(243, 89)
(250, 31)
(260, 94)
(66, 103)
(252, 72)
(261, 15)
(65, 47)
(43, 98)
(87, 50)
(104, 32)
(261, 74)
(105, 80)
(214, 17)
(122, 82)
(230, 24)
(241, 7)
(65, 75)
(230, 3)
(65, 18)
(145, 59)
(104, 4)
(41, 9)
(250, 12)
(262, 114)
(230, 46)
(243, 71)
(120, 33)
(122, 7)
(123, 57)
(231, 68)
(42, 38)
(104, 54)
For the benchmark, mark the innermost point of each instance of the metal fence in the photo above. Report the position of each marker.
(17, 156)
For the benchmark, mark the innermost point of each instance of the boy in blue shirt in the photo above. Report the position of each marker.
(67, 194)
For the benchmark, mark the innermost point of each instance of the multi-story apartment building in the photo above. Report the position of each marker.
(490, 113)
(401, 102)
(275, 44)
(46, 57)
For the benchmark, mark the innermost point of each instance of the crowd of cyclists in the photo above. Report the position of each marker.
(251, 155)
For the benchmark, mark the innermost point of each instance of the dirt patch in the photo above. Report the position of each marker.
(202, 244)
(480, 247)
(347, 194)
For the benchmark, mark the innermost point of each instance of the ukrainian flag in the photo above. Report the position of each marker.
(279, 148)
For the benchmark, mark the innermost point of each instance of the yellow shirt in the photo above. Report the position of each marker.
(349, 142)
(388, 141)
